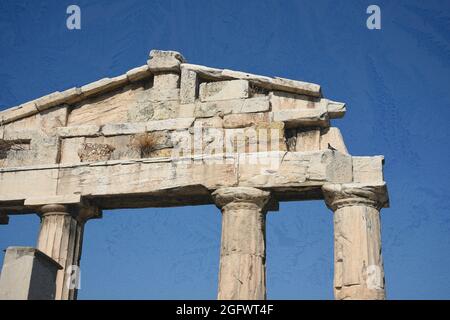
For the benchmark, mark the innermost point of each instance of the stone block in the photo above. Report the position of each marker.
(186, 110)
(280, 84)
(28, 274)
(123, 128)
(93, 152)
(188, 86)
(157, 94)
(22, 111)
(53, 118)
(308, 140)
(169, 124)
(78, 131)
(236, 120)
(69, 149)
(165, 81)
(301, 117)
(59, 199)
(368, 169)
(163, 61)
(56, 98)
(213, 122)
(221, 108)
(153, 110)
(224, 90)
(283, 169)
(102, 85)
(333, 137)
(138, 73)
(335, 109)
(287, 101)
(33, 183)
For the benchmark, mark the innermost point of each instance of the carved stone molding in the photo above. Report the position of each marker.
(241, 198)
(54, 209)
(355, 194)
(82, 212)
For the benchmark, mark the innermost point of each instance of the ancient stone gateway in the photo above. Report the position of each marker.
(171, 133)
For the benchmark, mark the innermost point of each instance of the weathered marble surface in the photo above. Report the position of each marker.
(359, 271)
(272, 170)
(169, 133)
(166, 94)
(242, 273)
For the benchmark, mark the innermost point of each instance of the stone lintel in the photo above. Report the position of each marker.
(286, 173)
(58, 199)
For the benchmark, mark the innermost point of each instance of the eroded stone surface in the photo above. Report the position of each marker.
(172, 133)
(224, 90)
(91, 152)
(242, 265)
(359, 272)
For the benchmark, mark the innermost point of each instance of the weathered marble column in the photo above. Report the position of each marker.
(61, 238)
(242, 273)
(358, 263)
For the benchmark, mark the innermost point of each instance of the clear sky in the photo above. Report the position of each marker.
(395, 81)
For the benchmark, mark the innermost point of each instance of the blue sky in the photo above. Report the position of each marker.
(395, 81)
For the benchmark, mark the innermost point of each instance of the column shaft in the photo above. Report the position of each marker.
(242, 273)
(358, 263)
(357, 254)
(61, 237)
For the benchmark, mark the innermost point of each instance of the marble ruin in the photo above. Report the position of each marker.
(170, 133)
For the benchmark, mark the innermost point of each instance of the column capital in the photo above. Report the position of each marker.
(81, 213)
(355, 194)
(241, 197)
(54, 209)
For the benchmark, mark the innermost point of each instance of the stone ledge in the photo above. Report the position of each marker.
(102, 85)
(138, 73)
(59, 199)
(301, 117)
(224, 90)
(221, 108)
(281, 84)
(78, 131)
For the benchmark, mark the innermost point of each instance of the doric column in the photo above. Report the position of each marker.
(61, 238)
(358, 263)
(242, 273)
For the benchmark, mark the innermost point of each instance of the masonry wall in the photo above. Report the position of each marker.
(145, 114)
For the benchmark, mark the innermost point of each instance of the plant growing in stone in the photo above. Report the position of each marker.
(7, 145)
(145, 143)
